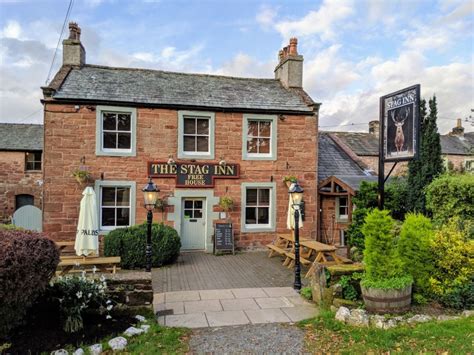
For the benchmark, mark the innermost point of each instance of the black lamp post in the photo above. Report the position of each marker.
(296, 195)
(150, 194)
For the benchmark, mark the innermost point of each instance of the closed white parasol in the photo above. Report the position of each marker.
(87, 236)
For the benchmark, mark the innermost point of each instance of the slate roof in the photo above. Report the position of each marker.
(366, 144)
(21, 137)
(169, 89)
(334, 161)
(355, 181)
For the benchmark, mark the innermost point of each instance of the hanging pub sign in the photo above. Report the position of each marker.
(197, 175)
(400, 122)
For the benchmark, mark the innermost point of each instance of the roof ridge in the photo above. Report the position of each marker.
(174, 72)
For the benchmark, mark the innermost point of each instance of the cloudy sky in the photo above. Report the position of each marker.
(355, 51)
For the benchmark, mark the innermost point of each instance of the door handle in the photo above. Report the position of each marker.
(193, 220)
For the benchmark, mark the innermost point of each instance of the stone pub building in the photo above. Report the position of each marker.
(201, 137)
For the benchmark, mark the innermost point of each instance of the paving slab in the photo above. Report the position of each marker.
(216, 294)
(280, 291)
(299, 313)
(158, 298)
(202, 306)
(273, 302)
(239, 304)
(299, 301)
(178, 296)
(193, 320)
(226, 318)
(248, 292)
(275, 315)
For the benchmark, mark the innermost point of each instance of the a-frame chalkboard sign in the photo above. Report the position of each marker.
(224, 238)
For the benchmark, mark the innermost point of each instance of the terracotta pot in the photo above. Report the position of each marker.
(387, 301)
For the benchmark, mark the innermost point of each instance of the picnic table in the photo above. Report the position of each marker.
(88, 263)
(309, 249)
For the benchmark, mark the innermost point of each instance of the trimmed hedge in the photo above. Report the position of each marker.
(129, 243)
(28, 260)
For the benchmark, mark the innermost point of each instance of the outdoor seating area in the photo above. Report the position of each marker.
(70, 262)
(311, 252)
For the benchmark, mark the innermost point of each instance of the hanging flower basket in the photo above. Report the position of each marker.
(81, 176)
(290, 179)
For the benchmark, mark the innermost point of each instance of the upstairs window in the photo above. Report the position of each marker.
(116, 133)
(196, 135)
(259, 137)
(33, 161)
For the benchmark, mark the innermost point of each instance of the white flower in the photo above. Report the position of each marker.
(102, 278)
(79, 294)
(109, 307)
(94, 269)
(89, 295)
(108, 317)
(108, 302)
(77, 263)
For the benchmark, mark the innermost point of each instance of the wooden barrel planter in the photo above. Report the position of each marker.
(387, 301)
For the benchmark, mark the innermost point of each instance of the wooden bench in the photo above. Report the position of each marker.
(290, 260)
(103, 264)
(275, 249)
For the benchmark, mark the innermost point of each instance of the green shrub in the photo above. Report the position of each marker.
(349, 291)
(396, 198)
(355, 237)
(130, 243)
(449, 196)
(28, 260)
(414, 245)
(452, 278)
(307, 293)
(10, 227)
(383, 268)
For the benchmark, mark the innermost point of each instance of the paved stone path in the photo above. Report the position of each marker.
(248, 339)
(230, 307)
(201, 271)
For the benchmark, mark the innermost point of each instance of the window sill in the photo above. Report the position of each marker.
(251, 229)
(206, 156)
(259, 157)
(115, 153)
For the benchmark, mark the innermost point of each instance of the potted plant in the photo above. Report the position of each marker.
(385, 287)
(226, 203)
(289, 179)
(81, 175)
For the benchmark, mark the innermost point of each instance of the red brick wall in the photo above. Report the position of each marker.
(14, 180)
(70, 136)
(457, 161)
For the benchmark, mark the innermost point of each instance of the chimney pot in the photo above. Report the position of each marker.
(290, 66)
(73, 50)
(374, 128)
(459, 125)
(457, 131)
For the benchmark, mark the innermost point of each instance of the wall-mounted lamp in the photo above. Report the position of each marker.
(281, 117)
(222, 162)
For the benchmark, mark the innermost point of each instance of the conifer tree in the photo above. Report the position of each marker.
(429, 164)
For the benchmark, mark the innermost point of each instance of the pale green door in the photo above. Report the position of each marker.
(193, 229)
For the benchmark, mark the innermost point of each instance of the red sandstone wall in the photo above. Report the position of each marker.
(14, 180)
(70, 135)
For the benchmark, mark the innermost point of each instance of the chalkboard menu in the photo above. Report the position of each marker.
(224, 238)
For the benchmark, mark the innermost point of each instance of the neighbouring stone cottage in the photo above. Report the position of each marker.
(201, 137)
(21, 178)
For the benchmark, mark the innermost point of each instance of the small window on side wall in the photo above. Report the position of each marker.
(115, 131)
(33, 161)
(259, 137)
(342, 209)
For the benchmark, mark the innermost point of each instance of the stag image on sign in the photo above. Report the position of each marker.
(400, 122)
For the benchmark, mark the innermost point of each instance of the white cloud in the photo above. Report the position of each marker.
(320, 22)
(266, 16)
(11, 30)
(246, 66)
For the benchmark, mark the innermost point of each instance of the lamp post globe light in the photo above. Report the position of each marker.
(150, 195)
(296, 195)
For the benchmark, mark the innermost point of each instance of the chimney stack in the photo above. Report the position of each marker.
(73, 51)
(290, 66)
(374, 128)
(457, 131)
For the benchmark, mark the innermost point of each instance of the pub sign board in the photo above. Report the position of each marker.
(196, 175)
(400, 123)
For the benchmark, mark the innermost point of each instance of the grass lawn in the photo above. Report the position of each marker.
(325, 334)
(158, 340)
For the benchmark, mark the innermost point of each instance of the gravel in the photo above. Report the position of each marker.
(258, 338)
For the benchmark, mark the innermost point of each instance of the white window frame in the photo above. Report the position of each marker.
(273, 137)
(99, 143)
(250, 228)
(98, 191)
(199, 115)
(344, 217)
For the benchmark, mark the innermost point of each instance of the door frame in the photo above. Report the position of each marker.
(211, 216)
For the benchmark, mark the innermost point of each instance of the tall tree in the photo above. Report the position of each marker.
(429, 164)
